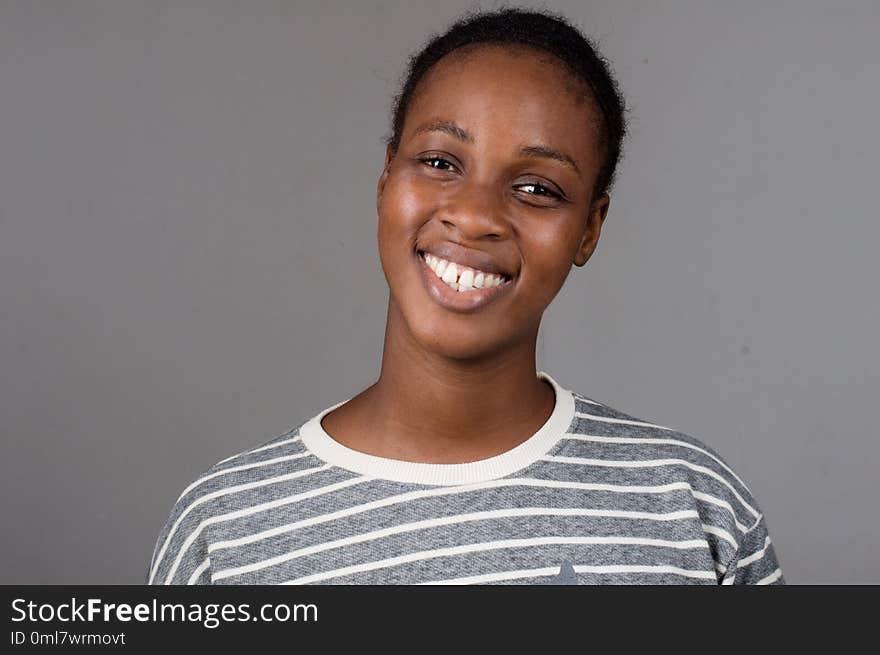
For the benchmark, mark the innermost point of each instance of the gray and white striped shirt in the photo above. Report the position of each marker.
(593, 497)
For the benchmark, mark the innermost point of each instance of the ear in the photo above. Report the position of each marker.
(383, 178)
(595, 218)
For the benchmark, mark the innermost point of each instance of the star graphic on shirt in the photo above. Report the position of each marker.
(566, 574)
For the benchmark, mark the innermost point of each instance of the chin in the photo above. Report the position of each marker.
(436, 338)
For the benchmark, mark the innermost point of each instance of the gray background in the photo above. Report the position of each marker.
(188, 261)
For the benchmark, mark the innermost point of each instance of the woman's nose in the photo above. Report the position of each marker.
(476, 211)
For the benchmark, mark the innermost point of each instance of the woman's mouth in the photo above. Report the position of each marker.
(458, 287)
(460, 278)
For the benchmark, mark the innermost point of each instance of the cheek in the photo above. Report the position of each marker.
(402, 206)
(546, 264)
(401, 213)
(551, 249)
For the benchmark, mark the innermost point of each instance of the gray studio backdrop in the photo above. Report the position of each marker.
(188, 260)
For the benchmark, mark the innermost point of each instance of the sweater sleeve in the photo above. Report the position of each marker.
(755, 561)
(180, 556)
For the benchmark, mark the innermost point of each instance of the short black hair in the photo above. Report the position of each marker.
(544, 30)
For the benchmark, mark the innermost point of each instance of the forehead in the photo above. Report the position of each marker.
(526, 59)
(508, 91)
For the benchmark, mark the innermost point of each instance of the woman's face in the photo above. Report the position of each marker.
(494, 173)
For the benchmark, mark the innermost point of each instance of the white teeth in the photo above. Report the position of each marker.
(450, 274)
(461, 278)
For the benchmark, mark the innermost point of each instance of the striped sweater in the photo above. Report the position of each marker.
(593, 497)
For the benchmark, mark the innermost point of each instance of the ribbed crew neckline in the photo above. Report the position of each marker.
(321, 444)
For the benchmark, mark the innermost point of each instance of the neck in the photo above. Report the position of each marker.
(434, 408)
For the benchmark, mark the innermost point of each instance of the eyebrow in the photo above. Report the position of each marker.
(454, 130)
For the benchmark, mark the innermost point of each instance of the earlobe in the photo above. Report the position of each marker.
(596, 218)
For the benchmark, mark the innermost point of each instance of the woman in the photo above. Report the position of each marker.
(462, 463)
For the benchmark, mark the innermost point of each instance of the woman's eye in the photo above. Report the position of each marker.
(533, 188)
(437, 163)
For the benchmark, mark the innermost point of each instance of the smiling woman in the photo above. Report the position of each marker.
(462, 463)
(505, 176)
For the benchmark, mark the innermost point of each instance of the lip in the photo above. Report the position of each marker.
(464, 302)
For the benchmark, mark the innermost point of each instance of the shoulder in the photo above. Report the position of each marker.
(652, 438)
(261, 463)
(233, 485)
(639, 452)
